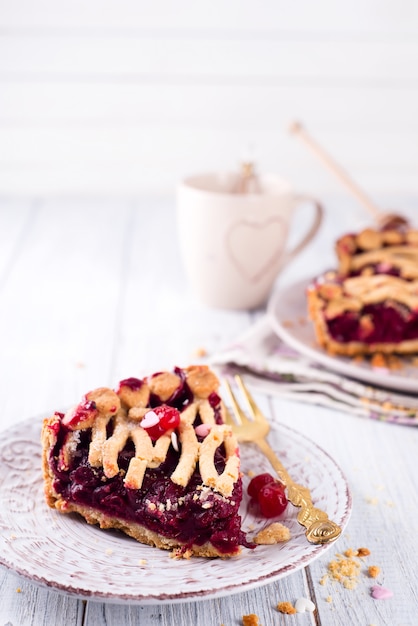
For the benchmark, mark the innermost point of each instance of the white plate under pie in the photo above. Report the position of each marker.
(287, 309)
(64, 553)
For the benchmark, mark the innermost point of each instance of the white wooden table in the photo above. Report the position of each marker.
(92, 291)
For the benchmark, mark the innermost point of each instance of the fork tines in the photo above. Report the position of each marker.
(253, 409)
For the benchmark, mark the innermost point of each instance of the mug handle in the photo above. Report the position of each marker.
(319, 214)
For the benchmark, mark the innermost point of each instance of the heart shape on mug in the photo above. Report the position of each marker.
(255, 247)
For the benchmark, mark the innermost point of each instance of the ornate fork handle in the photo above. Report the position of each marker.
(319, 528)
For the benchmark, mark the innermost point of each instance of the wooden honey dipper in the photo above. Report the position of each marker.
(384, 220)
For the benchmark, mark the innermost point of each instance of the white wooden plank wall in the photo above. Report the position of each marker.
(127, 96)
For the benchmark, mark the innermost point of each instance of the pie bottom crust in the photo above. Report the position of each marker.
(350, 348)
(137, 531)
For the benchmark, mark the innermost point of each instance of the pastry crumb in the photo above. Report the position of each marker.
(142, 562)
(345, 571)
(286, 607)
(250, 620)
(350, 552)
(19, 590)
(287, 324)
(395, 362)
(378, 360)
(274, 533)
(346, 568)
(181, 553)
(373, 571)
(201, 352)
(109, 551)
(390, 362)
(328, 599)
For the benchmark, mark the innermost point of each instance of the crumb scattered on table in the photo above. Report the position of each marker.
(345, 570)
(363, 552)
(349, 553)
(286, 607)
(373, 571)
(250, 620)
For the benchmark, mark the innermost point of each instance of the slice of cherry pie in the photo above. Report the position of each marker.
(365, 314)
(153, 459)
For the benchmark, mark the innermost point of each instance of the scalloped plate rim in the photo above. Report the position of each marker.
(71, 589)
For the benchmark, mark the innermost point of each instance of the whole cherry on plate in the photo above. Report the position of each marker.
(269, 493)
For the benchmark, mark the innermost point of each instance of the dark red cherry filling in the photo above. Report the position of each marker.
(85, 411)
(388, 325)
(133, 383)
(189, 514)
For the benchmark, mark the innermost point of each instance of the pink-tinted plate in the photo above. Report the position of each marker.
(64, 553)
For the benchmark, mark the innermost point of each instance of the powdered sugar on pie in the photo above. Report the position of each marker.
(152, 458)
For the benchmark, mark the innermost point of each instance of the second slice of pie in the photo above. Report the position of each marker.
(365, 314)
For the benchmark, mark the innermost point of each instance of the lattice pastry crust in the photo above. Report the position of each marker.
(110, 419)
(379, 251)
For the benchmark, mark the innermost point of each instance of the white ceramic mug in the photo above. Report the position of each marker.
(234, 245)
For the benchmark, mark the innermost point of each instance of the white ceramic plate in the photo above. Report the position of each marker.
(65, 553)
(289, 304)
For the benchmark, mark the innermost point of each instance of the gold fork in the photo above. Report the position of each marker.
(319, 528)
